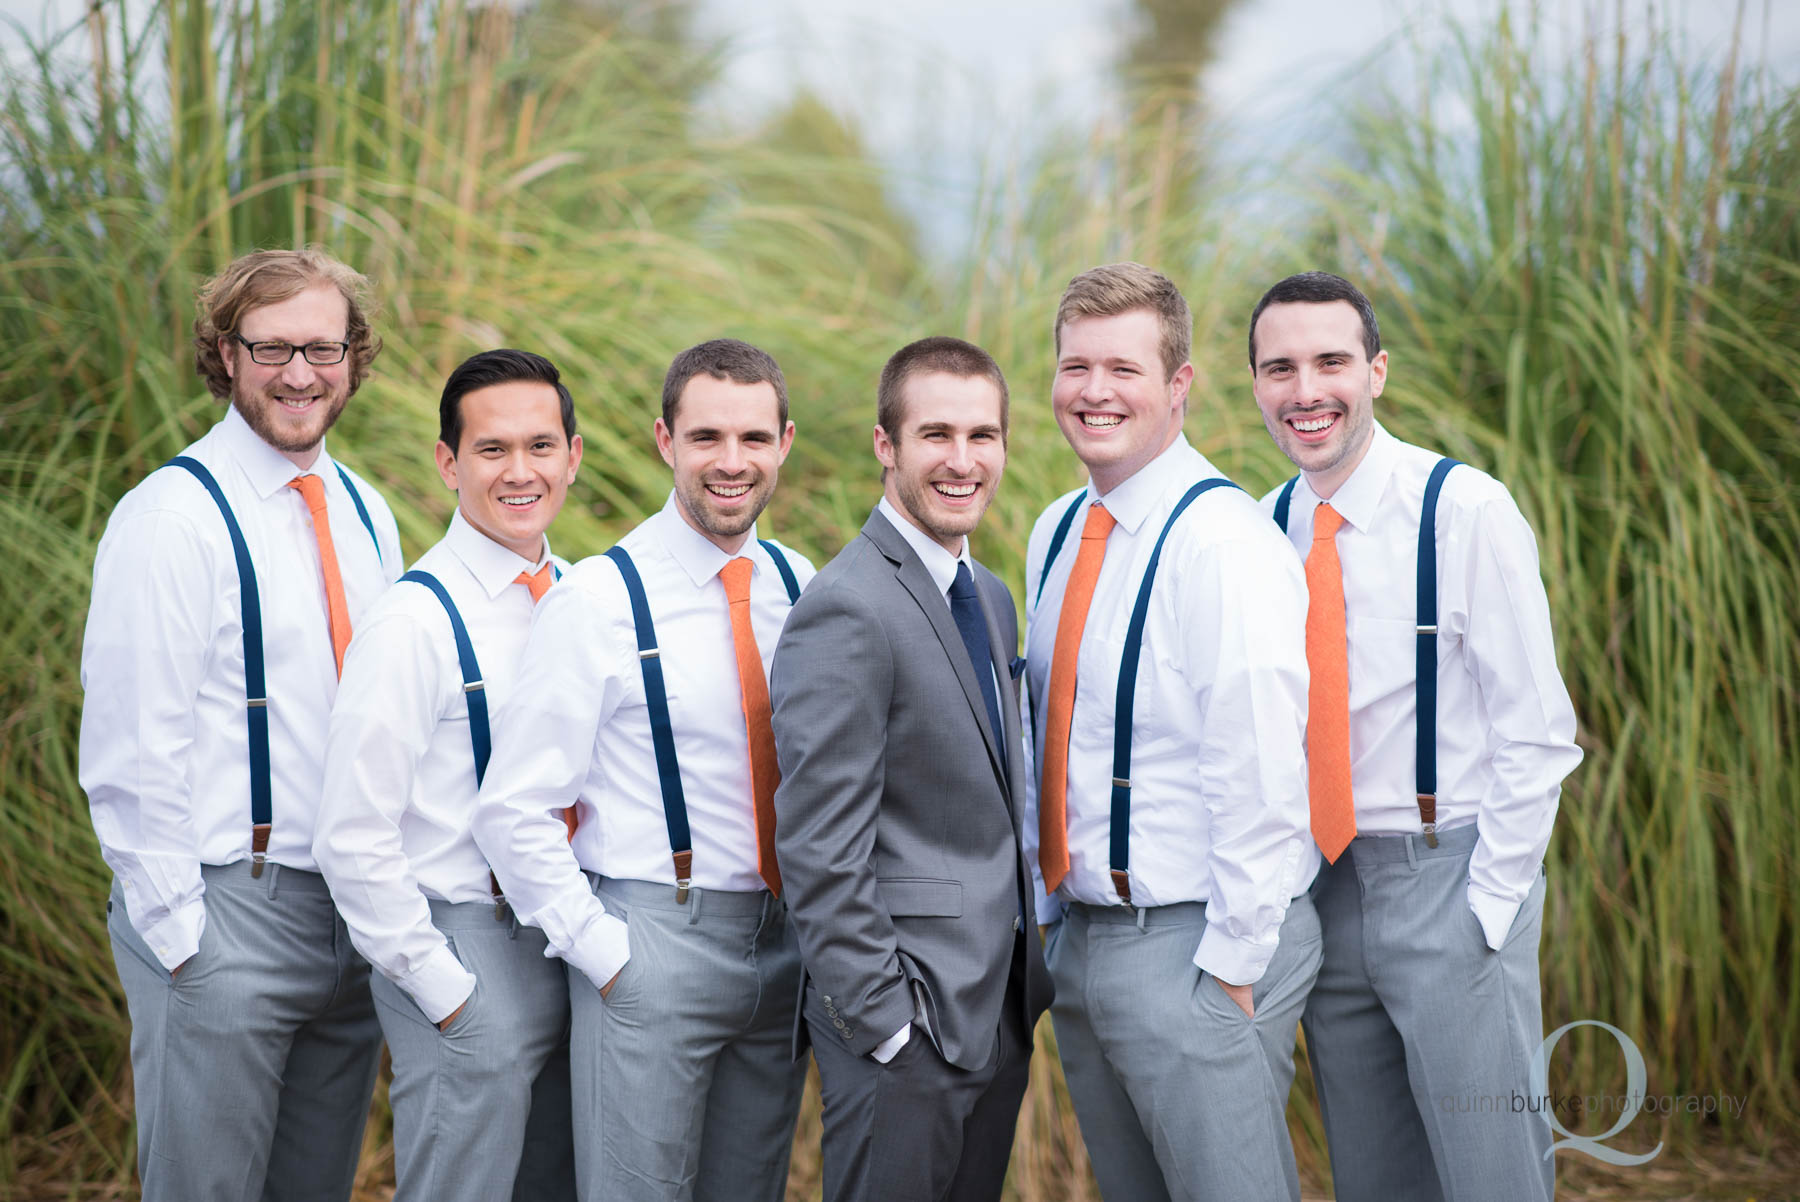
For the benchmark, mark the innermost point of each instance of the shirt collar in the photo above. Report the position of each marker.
(268, 470)
(494, 567)
(699, 556)
(1357, 498)
(1134, 500)
(940, 565)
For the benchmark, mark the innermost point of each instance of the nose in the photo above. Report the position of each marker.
(731, 456)
(1097, 386)
(518, 467)
(298, 373)
(962, 459)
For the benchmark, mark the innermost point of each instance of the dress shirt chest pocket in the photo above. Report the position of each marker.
(1383, 658)
(920, 897)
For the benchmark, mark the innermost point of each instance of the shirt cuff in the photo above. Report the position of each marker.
(176, 939)
(602, 948)
(1494, 913)
(890, 1047)
(1234, 961)
(439, 985)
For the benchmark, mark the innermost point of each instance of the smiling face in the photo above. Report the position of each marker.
(726, 448)
(1316, 387)
(514, 467)
(1116, 405)
(945, 461)
(290, 407)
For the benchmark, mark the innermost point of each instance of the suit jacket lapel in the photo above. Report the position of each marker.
(917, 581)
(1001, 652)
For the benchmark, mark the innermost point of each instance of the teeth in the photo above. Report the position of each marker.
(956, 490)
(296, 402)
(1312, 425)
(520, 500)
(728, 490)
(1101, 421)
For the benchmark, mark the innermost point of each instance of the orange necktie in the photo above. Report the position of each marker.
(336, 608)
(1328, 694)
(1053, 818)
(538, 582)
(765, 773)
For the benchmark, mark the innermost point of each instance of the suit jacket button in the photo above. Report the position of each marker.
(845, 1033)
(838, 1023)
(827, 999)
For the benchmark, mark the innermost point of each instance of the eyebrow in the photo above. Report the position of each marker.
(1278, 360)
(494, 440)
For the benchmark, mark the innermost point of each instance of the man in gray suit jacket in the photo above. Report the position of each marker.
(897, 821)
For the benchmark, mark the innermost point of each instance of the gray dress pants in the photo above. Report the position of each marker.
(252, 1070)
(685, 1088)
(481, 1110)
(1419, 1034)
(1180, 1096)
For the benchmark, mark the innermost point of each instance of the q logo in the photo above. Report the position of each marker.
(1594, 1145)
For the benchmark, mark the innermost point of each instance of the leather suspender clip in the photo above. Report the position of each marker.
(684, 874)
(259, 848)
(1122, 884)
(1428, 815)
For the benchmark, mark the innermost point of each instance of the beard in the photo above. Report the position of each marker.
(718, 523)
(288, 432)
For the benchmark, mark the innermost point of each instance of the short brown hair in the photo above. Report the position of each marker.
(268, 277)
(723, 359)
(1121, 288)
(952, 356)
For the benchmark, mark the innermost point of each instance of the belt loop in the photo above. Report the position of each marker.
(274, 875)
(1143, 916)
(512, 925)
(693, 905)
(1412, 853)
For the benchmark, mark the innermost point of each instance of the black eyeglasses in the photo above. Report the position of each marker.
(277, 354)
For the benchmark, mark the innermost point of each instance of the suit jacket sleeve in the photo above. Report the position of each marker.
(831, 686)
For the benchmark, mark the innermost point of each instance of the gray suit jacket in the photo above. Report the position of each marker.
(896, 828)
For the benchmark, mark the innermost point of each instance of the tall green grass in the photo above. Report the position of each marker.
(1587, 281)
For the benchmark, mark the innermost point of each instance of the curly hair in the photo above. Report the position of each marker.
(267, 277)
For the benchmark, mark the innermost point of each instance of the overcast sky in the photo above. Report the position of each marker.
(940, 87)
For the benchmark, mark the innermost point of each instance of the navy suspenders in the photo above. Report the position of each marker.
(1119, 845)
(1425, 684)
(475, 689)
(1425, 630)
(1057, 539)
(1119, 848)
(656, 697)
(256, 692)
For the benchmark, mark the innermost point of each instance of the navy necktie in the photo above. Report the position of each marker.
(965, 607)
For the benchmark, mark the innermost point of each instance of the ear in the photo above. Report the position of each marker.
(1178, 387)
(1378, 373)
(665, 442)
(446, 464)
(787, 444)
(884, 448)
(574, 458)
(227, 353)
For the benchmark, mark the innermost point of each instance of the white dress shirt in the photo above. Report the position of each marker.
(1219, 809)
(578, 731)
(165, 752)
(1506, 728)
(400, 770)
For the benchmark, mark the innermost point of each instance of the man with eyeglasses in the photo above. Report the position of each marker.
(226, 587)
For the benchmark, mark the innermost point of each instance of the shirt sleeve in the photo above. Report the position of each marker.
(568, 686)
(390, 701)
(1246, 660)
(150, 630)
(1507, 640)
